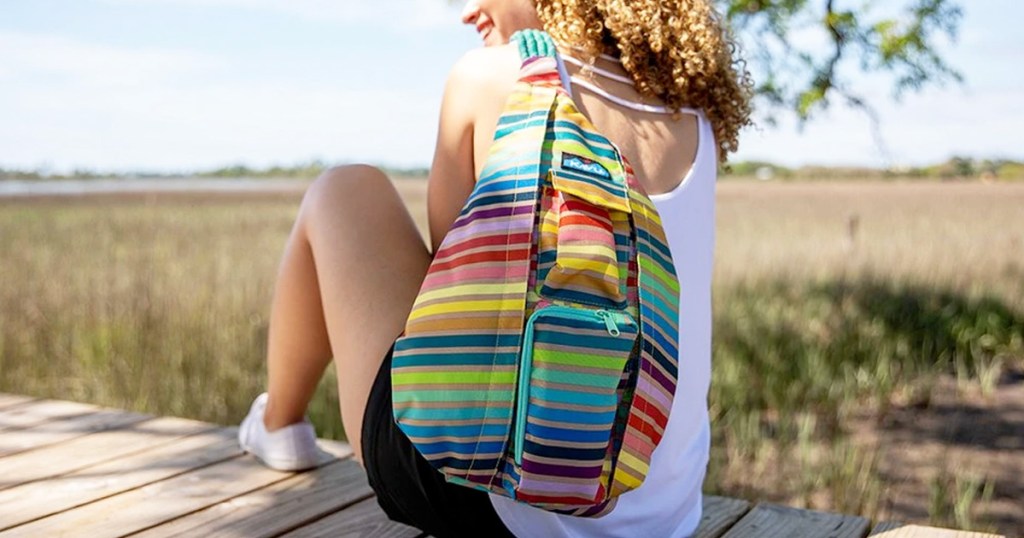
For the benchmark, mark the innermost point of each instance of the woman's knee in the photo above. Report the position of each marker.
(349, 190)
(347, 183)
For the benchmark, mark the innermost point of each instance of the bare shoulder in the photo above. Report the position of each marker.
(477, 90)
(485, 71)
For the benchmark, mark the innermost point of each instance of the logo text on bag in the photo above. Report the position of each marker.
(584, 165)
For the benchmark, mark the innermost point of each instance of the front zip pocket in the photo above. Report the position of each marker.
(572, 362)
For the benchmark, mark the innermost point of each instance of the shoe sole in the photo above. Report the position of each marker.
(280, 464)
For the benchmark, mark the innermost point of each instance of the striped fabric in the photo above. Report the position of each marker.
(540, 357)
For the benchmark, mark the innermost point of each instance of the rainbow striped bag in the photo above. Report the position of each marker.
(539, 360)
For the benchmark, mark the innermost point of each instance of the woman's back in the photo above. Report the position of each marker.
(660, 147)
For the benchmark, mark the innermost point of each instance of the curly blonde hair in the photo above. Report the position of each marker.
(676, 50)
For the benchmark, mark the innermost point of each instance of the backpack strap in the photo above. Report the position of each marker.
(533, 44)
(542, 65)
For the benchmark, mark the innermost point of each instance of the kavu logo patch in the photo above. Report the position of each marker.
(584, 165)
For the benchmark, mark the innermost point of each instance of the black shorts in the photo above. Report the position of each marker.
(408, 489)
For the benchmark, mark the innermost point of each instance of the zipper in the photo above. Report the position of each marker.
(611, 320)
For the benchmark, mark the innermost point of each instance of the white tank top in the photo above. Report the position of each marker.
(668, 503)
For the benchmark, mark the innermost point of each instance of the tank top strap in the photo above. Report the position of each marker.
(568, 81)
(602, 72)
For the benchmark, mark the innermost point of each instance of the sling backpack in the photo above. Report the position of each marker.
(539, 360)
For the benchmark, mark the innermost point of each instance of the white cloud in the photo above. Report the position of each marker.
(29, 56)
(921, 129)
(157, 128)
(68, 103)
(401, 13)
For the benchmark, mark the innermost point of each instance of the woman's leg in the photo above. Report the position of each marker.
(351, 270)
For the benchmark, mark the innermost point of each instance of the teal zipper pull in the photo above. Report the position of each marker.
(609, 322)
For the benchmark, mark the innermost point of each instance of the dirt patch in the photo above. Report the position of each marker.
(934, 451)
(945, 456)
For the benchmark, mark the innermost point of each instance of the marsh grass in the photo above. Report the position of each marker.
(956, 498)
(160, 304)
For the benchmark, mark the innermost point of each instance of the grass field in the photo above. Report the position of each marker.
(869, 337)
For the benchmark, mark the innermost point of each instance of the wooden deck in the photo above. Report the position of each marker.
(72, 469)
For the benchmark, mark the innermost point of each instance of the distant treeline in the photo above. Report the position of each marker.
(307, 170)
(954, 168)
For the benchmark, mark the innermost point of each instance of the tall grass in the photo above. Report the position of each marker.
(829, 300)
(160, 307)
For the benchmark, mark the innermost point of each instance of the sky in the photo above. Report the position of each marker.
(181, 85)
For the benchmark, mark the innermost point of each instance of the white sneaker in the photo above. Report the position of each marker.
(291, 448)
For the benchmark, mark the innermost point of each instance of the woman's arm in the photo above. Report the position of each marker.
(452, 175)
(474, 97)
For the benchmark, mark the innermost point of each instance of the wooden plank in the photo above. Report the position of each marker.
(62, 458)
(335, 449)
(11, 400)
(893, 529)
(30, 414)
(35, 500)
(364, 519)
(772, 520)
(280, 507)
(158, 502)
(718, 514)
(55, 431)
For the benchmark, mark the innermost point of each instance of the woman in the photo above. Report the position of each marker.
(658, 78)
